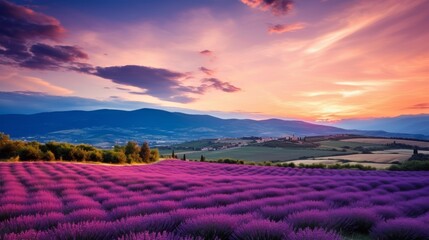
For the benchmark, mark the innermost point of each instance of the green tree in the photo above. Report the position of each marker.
(202, 158)
(119, 157)
(110, 156)
(28, 153)
(154, 155)
(86, 147)
(172, 154)
(132, 151)
(78, 154)
(118, 148)
(95, 156)
(10, 149)
(184, 157)
(145, 152)
(49, 156)
(4, 138)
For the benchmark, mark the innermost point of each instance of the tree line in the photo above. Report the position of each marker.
(51, 151)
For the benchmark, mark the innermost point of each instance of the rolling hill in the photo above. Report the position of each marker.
(106, 127)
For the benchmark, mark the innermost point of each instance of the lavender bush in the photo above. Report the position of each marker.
(192, 200)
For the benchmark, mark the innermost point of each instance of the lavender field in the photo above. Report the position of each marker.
(192, 200)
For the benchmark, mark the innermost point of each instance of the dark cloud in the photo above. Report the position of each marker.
(20, 30)
(283, 28)
(207, 71)
(52, 57)
(20, 24)
(206, 52)
(219, 85)
(277, 7)
(420, 106)
(157, 82)
(161, 83)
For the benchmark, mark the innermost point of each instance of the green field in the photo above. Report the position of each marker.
(257, 154)
(351, 145)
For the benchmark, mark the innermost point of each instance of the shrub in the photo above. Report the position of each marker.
(155, 236)
(210, 226)
(30, 234)
(352, 220)
(82, 215)
(400, 228)
(414, 165)
(313, 234)
(415, 207)
(263, 230)
(83, 231)
(32, 222)
(387, 212)
(278, 213)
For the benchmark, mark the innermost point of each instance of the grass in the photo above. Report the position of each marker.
(198, 144)
(382, 141)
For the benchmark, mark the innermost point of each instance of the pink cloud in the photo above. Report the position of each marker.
(277, 7)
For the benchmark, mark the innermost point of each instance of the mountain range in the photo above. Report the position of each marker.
(107, 127)
(412, 124)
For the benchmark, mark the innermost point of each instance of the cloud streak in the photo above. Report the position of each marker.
(284, 28)
(219, 85)
(28, 83)
(207, 71)
(420, 106)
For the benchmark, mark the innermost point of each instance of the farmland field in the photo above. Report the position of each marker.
(384, 141)
(377, 159)
(373, 157)
(192, 200)
(259, 154)
(349, 144)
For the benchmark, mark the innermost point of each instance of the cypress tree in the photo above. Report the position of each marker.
(145, 152)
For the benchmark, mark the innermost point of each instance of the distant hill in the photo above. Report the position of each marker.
(107, 127)
(411, 124)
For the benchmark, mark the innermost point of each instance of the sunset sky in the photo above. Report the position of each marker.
(316, 60)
